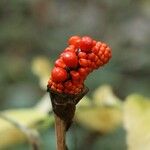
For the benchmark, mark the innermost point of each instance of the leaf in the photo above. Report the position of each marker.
(29, 117)
(85, 101)
(104, 95)
(137, 122)
(103, 114)
(41, 67)
(101, 119)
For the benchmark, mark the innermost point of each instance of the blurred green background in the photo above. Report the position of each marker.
(31, 28)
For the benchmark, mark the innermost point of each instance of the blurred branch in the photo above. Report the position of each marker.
(18, 125)
(32, 135)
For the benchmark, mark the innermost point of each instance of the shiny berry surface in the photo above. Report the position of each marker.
(76, 62)
(60, 63)
(70, 59)
(74, 40)
(86, 44)
(59, 74)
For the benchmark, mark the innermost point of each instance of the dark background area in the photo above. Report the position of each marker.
(30, 28)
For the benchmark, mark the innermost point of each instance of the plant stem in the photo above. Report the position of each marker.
(60, 129)
(64, 106)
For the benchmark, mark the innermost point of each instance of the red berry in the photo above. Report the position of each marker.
(100, 53)
(53, 88)
(89, 63)
(86, 44)
(59, 91)
(60, 86)
(91, 56)
(68, 84)
(104, 53)
(75, 75)
(83, 62)
(98, 63)
(71, 92)
(70, 48)
(88, 70)
(93, 65)
(74, 40)
(95, 50)
(70, 59)
(94, 43)
(82, 72)
(109, 52)
(82, 55)
(104, 45)
(59, 74)
(60, 63)
(49, 83)
(102, 49)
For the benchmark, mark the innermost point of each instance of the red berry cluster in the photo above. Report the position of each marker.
(81, 57)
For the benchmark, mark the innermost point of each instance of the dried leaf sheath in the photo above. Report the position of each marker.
(64, 105)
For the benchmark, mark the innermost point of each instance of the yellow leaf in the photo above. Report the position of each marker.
(84, 102)
(101, 119)
(41, 67)
(103, 113)
(105, 96)
(137, 122)
(10, 134)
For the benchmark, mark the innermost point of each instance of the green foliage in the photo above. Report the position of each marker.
(32, 31)
(101, 121)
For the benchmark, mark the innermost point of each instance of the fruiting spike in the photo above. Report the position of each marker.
(82, 56)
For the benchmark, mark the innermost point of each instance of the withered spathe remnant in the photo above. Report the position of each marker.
(64, 105)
